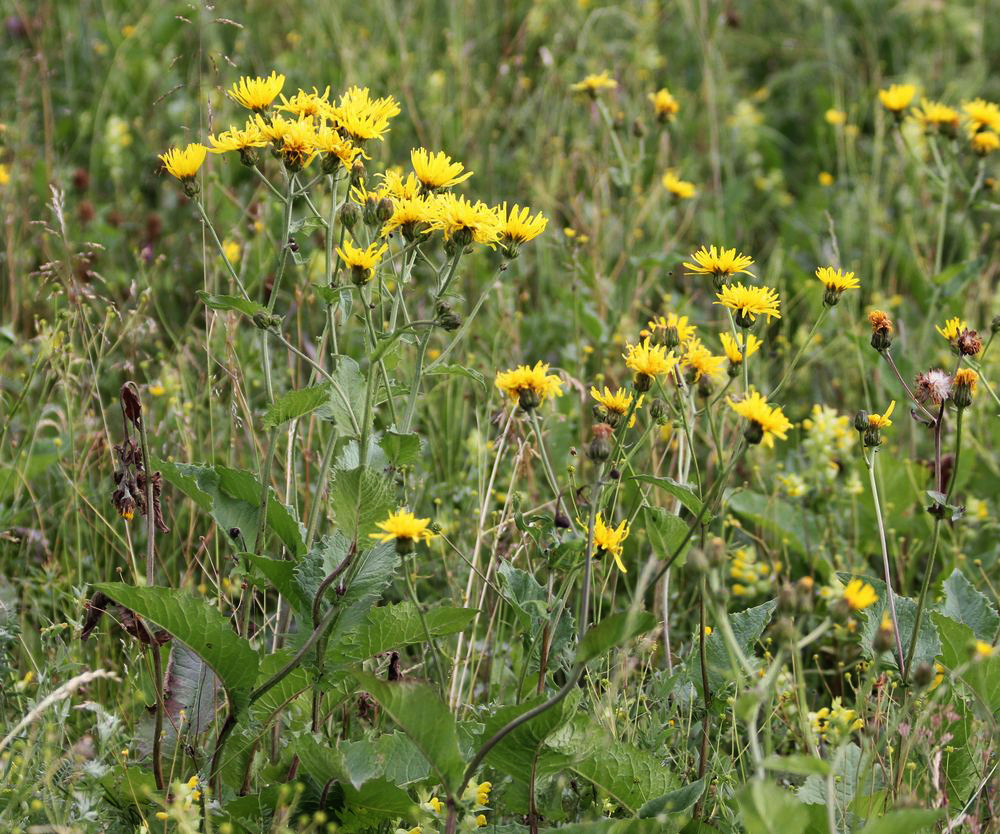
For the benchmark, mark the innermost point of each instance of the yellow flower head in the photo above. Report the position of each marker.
(257, 93)
(436, 170)
(671, 329)
(273, 128)
(932, 115)
(881, 421)
(361, 117)
(898, 97)
(235, 139)
(664, 104)
(410, 214)
(836, 279)
(529, 387)
(681, 189)
(859, 595)
(985, 142)
(611, 539)
(402, 524)
(649, 360)
(517, 226)
(594, 83)
(399, 188)
(984, 649)
(465, 221)
(952, 328)
(616, 404)
(700, 360)
(835, 117)
(734, 348)
(184, 164)
(329, 142)
(298, 144)
(361, 261)
(307, 104)
(720, 262)
(982, 114)
(749, 302)
(965, 383)
(766, 421)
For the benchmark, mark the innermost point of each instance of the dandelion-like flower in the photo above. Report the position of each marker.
(835, 117)
(395, 185)
(465, 222)
(982, 115)
(670, 330)
(872, 425)
(935, 116)
(749, 302)
(665, 106)
(517, 227)
(411, 214)
(529, 386)
(985, 142)
(882, 421)
(436, 170)
(611, 539)
(722, 264)
(897, 97)
(405, 529)
(236, 139)
(615, 405)
(595, 83)
(298, 144)
(361, 117)
(765, 422)
(952, 329)
(881, 330)
(681, 189)
(733, 346)
(337, 151)
(836, 282)
(859, 595)
(700, 360)
(307, 104)
(184, 163)
(361, 261)
(964, 388)
(648, 361)
(257, 93)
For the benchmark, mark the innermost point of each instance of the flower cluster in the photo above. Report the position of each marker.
(980, 118)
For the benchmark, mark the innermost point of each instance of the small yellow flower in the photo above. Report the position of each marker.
(766, 421)
(436, 170)
(410, 214)
(157, 390)
(232, 251)
(836, 279)
(825, 178)
(307, 104)
(965, 382)
(184, 164)
(881, 421)
(985, 142)
(649, 360)
(719, 262)
(361, 261)
(859, 595)
(328, 141)
(394, 185)
(734, 349)
(681, 189)
(664, 104)
(361, 117)
(835, 117)
(952, 328)
(4, 174)
(670, 329)
(235, 139)
(517, 226)
(480, 820)
(594, 83)
(897, 97)
(617, 403)
(933, 115)
(467, 222)
(749, 302)
(611, 539)
(298, 143)
(402, 524)
(984, 649)
(700, 360)
(982, 114)
(257, 93)
(529, 386)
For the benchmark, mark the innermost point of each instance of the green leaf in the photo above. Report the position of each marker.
(418, 711)
(391, 755)
(681, 492)
(981, 674)
(853, 775)
(396, 626)
(346, 403)
(613, 631)
(798, 763)
(400, 449)
(200, 627)
(295, 404)
(360, 498)
(673, 802)
(231, 302)
(966, 604)
(767, 809)
(747, 627)
(665, 530)
(515, 753)
(608, 827)
(904, 821)
(457, 370)
(372, 574)
(531, 606)
(789, 524)
(281, 574)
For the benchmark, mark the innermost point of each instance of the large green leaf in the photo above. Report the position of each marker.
(613, 631)
(665, 531)
(853, 775)
(396, 626)
(418, 711)
(231, 302)
(198, 625)
(515, 753)
(789, 524)
(360, 498)
(531, 606)
(280, 573)
(673, 802)
(400, 449)
(904, 821)
(681, 492)
(747, 627)
(965, 603)
(390, 755)
(768, 809)
(295, 404)
(346, 404)
(981, 674)
(634, 826)
(372, 573)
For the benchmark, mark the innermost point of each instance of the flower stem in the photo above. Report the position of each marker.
(801, 350)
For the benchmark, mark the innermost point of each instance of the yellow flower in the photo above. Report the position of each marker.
(611, 539)
(859, 595)
(649, 360)
(982, 114)
(701, 360)
(825, 179)
(402, 524)
(733, 346)
(184, 164)
(836, 279)
(881, 421)
(517, 226)
(835, 117)
(616, 403)
(328, 141)
(235, 139)
(933, 115)
(257, 93)
(466, 222)
(529, 386)
(361, 261)
(749, 302)
(480, 820)
(274, 128)
(965, 382)
(298, 144)
(898, 97)
(361, 117)
(673, 329)
(401, 189)
(307, 104)
(984, 649)
(766, 421)
(232, 251)
(681, 189)
(4, 174)
(985, 142)
(593, 84)
(436, 170)
(664, 104)
(952, 328)
(409, 213)
(718, 261)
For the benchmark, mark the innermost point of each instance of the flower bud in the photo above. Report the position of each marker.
(788, 599)
(331, 162)
(923, 674)
(350, 214)
(369, 212)
(528, 399)
(600, 444)
(861, 421)
(357, 173)
(784, 629)
(658, 410)
(446, 318)
(716, 552)
(249, 157)
(384, 209)
(881, 339)
(697, 560)
(643, 382)
(462, 237)
(267, 321)
(884, 638)
(705, 386)
(995, 325)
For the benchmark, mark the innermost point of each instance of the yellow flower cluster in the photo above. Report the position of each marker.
(834, 723)
(749, 576)
(981, 117)
(529, 386)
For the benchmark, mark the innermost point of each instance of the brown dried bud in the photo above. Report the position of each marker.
(968, 342)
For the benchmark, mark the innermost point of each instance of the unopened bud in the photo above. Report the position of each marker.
(697, 560)
(923, 674)
(643, 382)
(658, 409)
(384, 209)
(357, 173)
(446, 318)
(600, 445)
(861, 421)
(350, 214)
(788, 599)
(528, 399)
